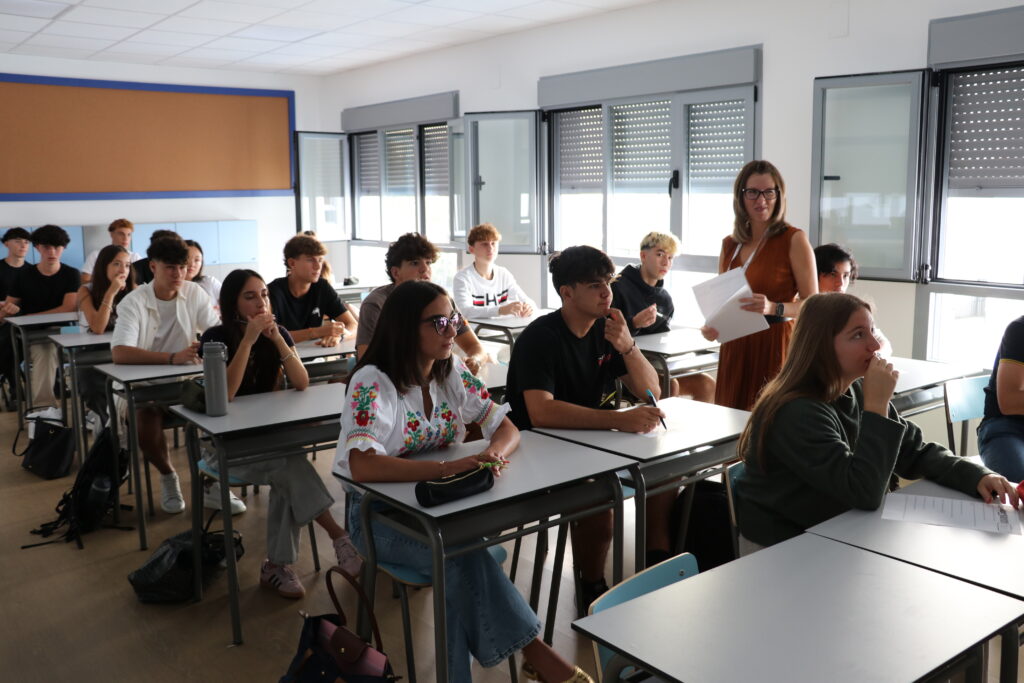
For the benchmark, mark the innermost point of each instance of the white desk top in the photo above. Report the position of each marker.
(539, 463)
(271, 409)
(494, 375)
(45, 320)
(918, 374)
(691, 424)
(308, 350)
(82, 339)
(675, 342)
(987, 559)
(341, 289)
(808, 609)
(509, 322)
(137, 373)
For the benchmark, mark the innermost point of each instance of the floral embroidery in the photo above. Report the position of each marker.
(364, 403)
(474, 385)
(422, 434)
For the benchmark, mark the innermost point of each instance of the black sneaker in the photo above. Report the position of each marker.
(589, 592)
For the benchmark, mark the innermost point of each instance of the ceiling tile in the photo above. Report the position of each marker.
(13, 23)
(207, 27)
(197, 62)
(547, 10)
(341, 38)
(308, 50)
(284, 33)
(402, 46)
(229, 11)
(494, 23)
(42, 9)
(486, 6)
(432, 16)
(129, 57)
(155, 6)
(224, 55)
(73, 28)
(247, 44)
(276, 59)
(45, 51)
(171, 38)
(608, 4)
(280, 4)
(111, 17)
(13, 37)
(91, 44)
(361, 8)
(138, 47)
(449, 36)
(313, 20)
(384, 28)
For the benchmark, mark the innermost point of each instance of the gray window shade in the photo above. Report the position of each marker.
(641, 146)
(580, 150)
(986, 136)
(717, 144)
(400, 162)
(435, 159)
(367, 164)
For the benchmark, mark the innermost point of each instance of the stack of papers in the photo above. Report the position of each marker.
(718, 299)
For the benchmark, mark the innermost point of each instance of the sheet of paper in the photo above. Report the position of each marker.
(718, 299)
(966, 514)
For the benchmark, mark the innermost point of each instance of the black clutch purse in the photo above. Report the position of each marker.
(461, 485)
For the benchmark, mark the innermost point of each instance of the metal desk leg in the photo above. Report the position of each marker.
(77, 412)
(137, 465)
(440, 609)
(556, 581)
(640, 500)
(1008, 652)
(26, 354)
(541, 551)
(369, 566)
(229, 544)
(192, 446)
(116, 439)
(18, 350)
(617, 531)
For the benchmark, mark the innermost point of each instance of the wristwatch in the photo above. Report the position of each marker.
(780, 310)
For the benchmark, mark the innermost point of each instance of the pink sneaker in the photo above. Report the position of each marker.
(282, 579)
(348, 557)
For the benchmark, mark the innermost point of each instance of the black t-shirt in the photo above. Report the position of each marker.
(143, 273)
(549, 357)
(8, 274)
(38, 292)
(630, 294)
(300, 313)
(257, 378)
(1011, 349)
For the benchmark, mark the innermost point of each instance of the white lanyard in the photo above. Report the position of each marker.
(752, 254)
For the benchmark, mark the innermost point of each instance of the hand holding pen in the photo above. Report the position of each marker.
(654, 404)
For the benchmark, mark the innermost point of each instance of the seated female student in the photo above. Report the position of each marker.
(258, 350)
(837, 270)
(410, 394)
(823, 437)
(209, 283)
(112, 278)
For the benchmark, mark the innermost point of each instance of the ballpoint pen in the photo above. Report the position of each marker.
(650, 397)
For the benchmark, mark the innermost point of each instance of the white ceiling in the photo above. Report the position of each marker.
(288, 36)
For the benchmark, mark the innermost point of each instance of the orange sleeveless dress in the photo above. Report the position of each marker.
(746, 364)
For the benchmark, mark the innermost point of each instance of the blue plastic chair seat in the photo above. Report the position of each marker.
(206, 469)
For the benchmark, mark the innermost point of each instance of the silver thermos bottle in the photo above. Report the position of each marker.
(215, 375)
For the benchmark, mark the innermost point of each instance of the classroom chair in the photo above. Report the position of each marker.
(612, 668)
(733, 473)
(965, 401)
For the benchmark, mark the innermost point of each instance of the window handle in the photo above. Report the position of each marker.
(831, 177)
(673, 182)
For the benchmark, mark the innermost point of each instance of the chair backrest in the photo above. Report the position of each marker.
(731, 475)
(965, 400)
(658, 576)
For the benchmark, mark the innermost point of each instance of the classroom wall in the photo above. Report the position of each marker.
(276, 215)
(800, 40)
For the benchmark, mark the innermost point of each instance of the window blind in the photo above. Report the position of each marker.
(435, 159)
(641, 146)
(400, 162)
(717, 143)
(986, 135)
(321, 160)
(367, 164)
(580, 135)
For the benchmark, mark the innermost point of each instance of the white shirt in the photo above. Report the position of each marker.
(138, 316)
(376, 417)
(211, 286)
(476, 297)
(169, 335)
(90, 260)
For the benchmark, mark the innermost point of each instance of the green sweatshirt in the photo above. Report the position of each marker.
(821, 459)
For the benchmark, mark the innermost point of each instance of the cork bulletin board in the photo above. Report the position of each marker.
(83, 139)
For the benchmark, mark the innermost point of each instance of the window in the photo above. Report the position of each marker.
(623, 169)
(366, 162)
(436, 186)
(321, 186)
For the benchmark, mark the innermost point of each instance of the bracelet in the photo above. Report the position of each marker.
(170, 359)
(294, 354)
(104, 303)
(631, 350)
(440, 468)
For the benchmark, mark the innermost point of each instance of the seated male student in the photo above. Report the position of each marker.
(647, 306)
(410, 258)
(158, 323)
(837, 270)
(48, 287)
(484, 290)
(143, 273)
(120, 234)
(17, 241)
(562, 374)
(302, 299)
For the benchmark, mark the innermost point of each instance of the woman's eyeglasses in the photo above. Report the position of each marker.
(441, 322)
(770, 194)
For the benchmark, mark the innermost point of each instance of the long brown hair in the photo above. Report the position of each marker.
(811, 369)
(741, 231)
(100, 281)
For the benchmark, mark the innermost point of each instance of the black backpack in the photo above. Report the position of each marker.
(93, 495)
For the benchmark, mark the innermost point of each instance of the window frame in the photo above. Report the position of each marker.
(344, 172)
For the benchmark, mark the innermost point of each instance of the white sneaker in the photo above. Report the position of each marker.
(171, 500)
(211, 499)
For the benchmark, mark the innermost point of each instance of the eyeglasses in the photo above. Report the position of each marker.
(441, 322)
(771, 194)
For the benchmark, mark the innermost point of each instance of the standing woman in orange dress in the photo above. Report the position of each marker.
(779, 264)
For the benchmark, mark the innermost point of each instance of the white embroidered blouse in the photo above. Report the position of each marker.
(378, 418)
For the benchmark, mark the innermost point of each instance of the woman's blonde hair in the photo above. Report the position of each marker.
(741, 231)
(811, 369)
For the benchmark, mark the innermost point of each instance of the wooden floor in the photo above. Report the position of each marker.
(69, 614)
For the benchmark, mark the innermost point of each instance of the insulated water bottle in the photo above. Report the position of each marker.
(215, 376)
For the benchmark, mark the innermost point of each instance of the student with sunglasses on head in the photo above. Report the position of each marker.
(260, 352)
(837, 270)
(779, 266)
(409, 394)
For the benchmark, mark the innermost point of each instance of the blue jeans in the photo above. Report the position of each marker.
(486, 616)
(1001, 440)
